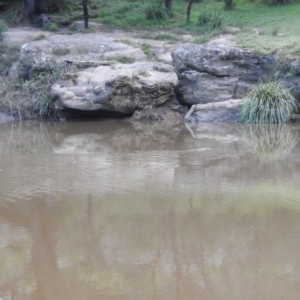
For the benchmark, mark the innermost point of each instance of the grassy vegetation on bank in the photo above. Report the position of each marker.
(263, 27)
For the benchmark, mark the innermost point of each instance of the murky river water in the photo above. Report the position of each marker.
(110, 210)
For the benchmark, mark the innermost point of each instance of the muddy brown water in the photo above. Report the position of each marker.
(113, 210)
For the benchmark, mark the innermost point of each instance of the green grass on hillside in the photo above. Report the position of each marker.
(265, 28)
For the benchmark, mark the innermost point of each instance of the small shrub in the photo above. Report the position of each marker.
(210, 20)
(155, 11)
(268, 103)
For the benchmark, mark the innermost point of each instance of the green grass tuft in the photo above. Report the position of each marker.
(51, 27)
(210, 20)
(268, 103)
(155, 11)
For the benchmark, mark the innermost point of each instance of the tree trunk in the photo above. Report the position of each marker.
(29, 6)
(85, 14)
(41, 6)
(35, 7)
(168, 4)
(188, 12)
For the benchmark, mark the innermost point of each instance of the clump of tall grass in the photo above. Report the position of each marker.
(12, 12)
(155, 11)
(210, 20)
(268, 103)
(40, 91)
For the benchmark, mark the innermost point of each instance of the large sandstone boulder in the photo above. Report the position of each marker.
(212, 73)
(115, 90)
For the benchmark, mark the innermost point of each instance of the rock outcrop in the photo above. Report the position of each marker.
(55, 50)
(50, 51)
(116, 90)
(212, 73)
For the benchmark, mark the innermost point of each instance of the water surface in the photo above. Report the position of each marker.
(113, 210)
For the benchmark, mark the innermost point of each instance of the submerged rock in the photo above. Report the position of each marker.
(213, 73)
(116, 90)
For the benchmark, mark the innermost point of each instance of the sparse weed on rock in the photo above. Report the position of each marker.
(147, 50)
(165, 37)
(268, 103)
(39, 37)
(122, 59)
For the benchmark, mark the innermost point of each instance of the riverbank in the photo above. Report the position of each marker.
(43, 62)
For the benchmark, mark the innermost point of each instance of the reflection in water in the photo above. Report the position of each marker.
(111, 210)
(270, 142)
(26, 137)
